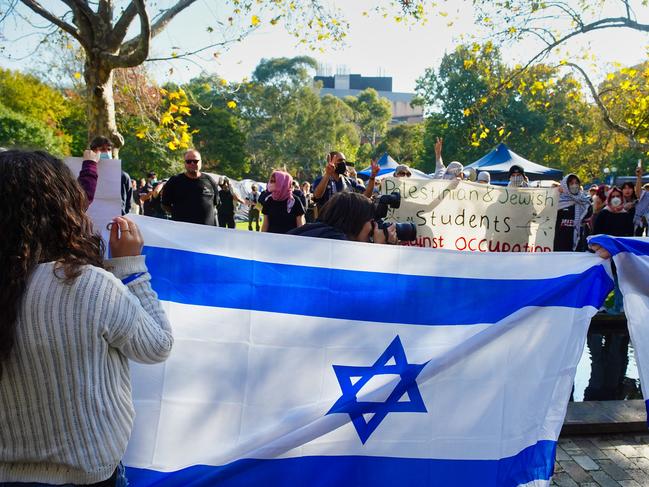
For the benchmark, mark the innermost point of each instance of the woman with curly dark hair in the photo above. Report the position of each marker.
(69, 323)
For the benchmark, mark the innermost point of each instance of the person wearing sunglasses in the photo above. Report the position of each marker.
(191, 196)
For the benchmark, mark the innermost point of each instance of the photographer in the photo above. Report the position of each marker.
(348, 216)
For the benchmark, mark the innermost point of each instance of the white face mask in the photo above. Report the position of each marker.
(616, 201)
(516, 180)
(574, 188)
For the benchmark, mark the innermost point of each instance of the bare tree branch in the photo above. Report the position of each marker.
(159, 25)
(122, 25)
(105, 11)
(627, 131)
(37, 8)
(204, 48)
(140, 52)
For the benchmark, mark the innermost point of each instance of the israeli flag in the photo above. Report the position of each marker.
(307, 362)
(631, 257)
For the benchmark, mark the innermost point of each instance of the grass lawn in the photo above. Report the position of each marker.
(244, 225)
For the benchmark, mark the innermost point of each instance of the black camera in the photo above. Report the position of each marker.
(406, 232)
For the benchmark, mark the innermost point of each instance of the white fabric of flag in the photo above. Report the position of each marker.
(304, 361)
(631, 257)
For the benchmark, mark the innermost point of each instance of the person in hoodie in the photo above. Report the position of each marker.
(574, 211)
(282, 210)
(348, 216)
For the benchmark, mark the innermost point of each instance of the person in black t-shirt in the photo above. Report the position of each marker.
(227, 197)
(282, 210)
(191, 196)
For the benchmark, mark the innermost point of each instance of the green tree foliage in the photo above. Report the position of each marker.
(19, 130)
(404, 142)
(32, 107)
(372, 113)
(286, 122)
(474, 108)
(218, 133)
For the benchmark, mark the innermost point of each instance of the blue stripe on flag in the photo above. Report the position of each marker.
(615, 245)
(213, 280)
(536, 462)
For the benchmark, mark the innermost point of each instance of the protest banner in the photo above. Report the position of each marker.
(461, 215)
(108, 201)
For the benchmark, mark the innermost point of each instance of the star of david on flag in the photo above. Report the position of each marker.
(404, 398)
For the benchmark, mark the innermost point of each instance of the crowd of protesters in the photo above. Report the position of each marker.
(71, 320)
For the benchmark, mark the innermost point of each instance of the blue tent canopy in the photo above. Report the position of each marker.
(386, 163)
(387, 166)
(499, 160)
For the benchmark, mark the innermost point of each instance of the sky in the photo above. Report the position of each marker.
(374, 45)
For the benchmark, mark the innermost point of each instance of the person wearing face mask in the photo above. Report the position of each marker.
(334, 180)
(614, 220)
(282, 210)
(574, 210)
(104, 147)
(517, 177)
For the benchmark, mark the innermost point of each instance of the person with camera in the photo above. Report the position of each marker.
(335, 181)
(348, 216)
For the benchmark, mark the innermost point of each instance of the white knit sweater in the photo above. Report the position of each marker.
(65, 394)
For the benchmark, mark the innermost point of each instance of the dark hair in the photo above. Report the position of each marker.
(42, 219)
(347, 212)
(572, 176)
(516, 168)
(99, 141)
(632, 186)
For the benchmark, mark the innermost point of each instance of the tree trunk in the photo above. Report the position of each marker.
(101, 104)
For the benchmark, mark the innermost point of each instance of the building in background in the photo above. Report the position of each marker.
(342, 85)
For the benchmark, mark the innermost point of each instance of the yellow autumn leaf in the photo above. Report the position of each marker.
(610, 76)
(166, 119)
(475, 144)
(466, 112)
(163, 92)
(232, 104)
(173, 108)
(77, 75)
(501, 131)
(223, 82)
(184, 110)
(468, 63)
(171, 146)
(254, 21)
(141, 134)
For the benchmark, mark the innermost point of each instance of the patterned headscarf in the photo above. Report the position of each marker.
(581, 202)
(283, 190)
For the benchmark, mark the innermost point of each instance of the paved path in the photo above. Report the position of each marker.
(606, 460)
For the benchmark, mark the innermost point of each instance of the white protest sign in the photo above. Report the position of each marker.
(108, 200)
(461, 215)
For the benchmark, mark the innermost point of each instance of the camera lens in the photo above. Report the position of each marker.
(406, 232)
